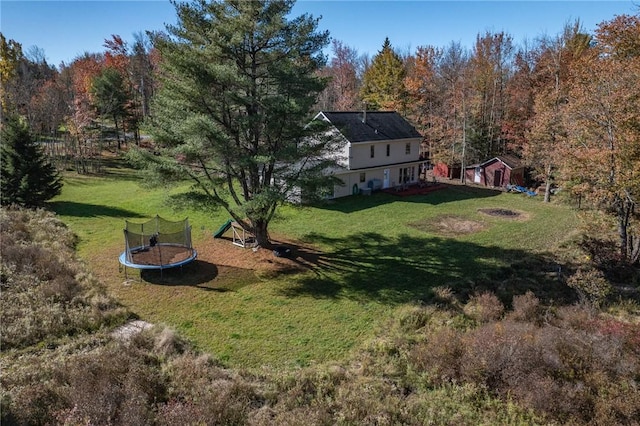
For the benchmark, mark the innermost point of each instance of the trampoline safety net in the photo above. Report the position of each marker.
(157, 242)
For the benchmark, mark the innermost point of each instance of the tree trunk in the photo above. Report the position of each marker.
(625, 208)
(547, 184)
(261, 233)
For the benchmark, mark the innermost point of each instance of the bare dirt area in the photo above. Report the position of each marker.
(221, 265)
(504, 213)
(449, 226)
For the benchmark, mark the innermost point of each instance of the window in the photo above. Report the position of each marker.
(363, 177)
(407, 149)
(373, 153)
(388, 150)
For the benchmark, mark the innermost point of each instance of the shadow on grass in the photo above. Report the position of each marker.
(70, 208)
(372, 267)
(203, 275)
(450, 193)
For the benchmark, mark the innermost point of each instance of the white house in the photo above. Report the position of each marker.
(381, 150)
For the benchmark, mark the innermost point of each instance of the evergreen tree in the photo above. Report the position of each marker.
(383, 85)
(237, 84)
(111, 97)
(26, 177)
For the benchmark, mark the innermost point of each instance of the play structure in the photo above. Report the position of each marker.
(241, 238)
(157, 244)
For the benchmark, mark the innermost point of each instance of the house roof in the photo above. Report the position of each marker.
(375, 126)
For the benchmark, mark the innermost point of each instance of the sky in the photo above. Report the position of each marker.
(64, 30)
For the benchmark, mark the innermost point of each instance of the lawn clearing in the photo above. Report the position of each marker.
(356, 262)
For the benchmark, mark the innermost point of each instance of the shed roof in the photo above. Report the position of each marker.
(358, 126)
(511, 161)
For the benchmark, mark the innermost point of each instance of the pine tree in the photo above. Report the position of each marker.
(383, 85)
(26, 177)
(238, 80)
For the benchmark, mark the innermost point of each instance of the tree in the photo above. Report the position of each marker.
(26, 178)
(383, 82)
(545, 146)
(237, 83)
(603, 118)
(111, 96)
(341, 93)
(453, 70)
(425, 94)
(10, 56)
(489, 72)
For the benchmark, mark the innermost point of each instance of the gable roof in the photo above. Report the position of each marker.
(376, 126)
(511, 161)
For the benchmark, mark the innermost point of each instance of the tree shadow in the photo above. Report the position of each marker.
(450, 193)
(372, 267)
(70, 208)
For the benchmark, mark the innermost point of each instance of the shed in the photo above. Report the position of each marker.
(497, 172)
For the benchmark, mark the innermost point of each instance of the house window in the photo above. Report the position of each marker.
(407, 149)
(388, 150)
(363, 177)
(373, 153)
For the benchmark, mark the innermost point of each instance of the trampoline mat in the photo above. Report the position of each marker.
(161, 255)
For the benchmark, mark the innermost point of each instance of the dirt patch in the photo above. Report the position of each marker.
(222, 252)
(449, 226)
(504, 213)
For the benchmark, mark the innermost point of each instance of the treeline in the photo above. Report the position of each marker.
(79, 109)
(567, 105)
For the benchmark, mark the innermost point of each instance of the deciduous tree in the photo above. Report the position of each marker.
(603, 118)
(547, 135)
(341, 93)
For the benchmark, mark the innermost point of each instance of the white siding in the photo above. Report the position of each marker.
(360, 153)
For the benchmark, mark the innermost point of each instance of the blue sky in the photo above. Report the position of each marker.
(67, 29)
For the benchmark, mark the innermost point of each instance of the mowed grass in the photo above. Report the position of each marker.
(371, 257)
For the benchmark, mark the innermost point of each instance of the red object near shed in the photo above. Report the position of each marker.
(447, 171)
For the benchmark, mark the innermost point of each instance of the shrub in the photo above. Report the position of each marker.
(484, 307)
(526, 308)
(591, 285)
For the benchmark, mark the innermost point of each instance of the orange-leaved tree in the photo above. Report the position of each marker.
(603, 122)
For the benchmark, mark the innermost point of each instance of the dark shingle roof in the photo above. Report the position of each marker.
(510, 160)
(378, 126)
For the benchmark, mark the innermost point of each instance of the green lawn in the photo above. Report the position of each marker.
(376, 255)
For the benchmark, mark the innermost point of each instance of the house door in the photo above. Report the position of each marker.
(497, 178)
(476, 175)
(385, 183)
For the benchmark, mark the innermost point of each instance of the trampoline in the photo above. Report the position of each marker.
(157, 244)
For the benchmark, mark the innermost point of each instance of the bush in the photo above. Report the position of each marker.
(526, 308)
(591, 285)
(484, 307)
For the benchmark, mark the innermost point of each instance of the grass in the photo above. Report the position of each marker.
(373, 262)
